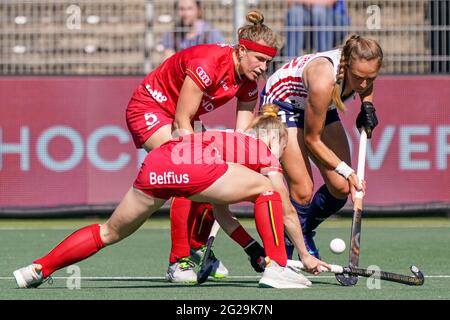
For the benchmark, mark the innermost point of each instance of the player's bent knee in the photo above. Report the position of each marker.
(263, 188)
(340, 191)
(109, 235)
(266, 196)
(302, 197)
(257, 186)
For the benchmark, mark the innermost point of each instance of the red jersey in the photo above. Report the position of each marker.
(188, 165)
(233, 147)
(210, 66)
(242, 148)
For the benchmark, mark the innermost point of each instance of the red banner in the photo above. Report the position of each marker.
(64, 140)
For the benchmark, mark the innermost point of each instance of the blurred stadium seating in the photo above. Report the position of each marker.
(60, 37)
(43, 37)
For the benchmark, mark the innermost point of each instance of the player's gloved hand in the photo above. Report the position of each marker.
(256, 255)
(367, 118)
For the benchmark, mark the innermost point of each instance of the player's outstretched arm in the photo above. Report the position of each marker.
(292, 225)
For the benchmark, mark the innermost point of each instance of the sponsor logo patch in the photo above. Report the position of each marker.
(252, 93)
(207, 105)
(157, 95)
(224, 85)
(203, 76)
(168, 178)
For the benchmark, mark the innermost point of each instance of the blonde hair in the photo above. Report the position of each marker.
(355, 48)
(268, 121)
(259, 31)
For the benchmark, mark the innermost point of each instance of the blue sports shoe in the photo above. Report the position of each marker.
(310, 245)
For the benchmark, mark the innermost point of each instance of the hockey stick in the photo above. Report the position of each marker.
(207, 263)
(417, 279)
(349, 279)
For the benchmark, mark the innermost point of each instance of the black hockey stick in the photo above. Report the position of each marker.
(417, 279)
(208, 260)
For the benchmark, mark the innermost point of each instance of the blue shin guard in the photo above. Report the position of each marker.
(323, 205)
(302, 212)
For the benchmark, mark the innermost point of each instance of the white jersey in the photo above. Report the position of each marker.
(286, 84)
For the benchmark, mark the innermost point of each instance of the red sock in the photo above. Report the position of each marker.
(200, 222)
(80, 245)
(179, 213)
(269, 223)
(241, 236)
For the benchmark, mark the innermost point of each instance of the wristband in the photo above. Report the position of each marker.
(344, 170)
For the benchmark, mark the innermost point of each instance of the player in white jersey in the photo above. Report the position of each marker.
(309, 91)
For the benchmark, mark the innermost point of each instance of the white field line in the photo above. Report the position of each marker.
(7, 228)
(163, 278)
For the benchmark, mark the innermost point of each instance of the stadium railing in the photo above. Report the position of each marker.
(115, 37)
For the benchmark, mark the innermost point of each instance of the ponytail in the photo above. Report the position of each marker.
(336, 95)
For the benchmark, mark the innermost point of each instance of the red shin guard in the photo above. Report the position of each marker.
(179, 212)
(200, 222)
(80, 245)
(269, 223)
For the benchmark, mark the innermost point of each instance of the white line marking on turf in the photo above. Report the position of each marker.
(151, 278)
(163, 278)
(63, 228)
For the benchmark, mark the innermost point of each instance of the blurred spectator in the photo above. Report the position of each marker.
(314, 13)
(190, 29)
(341, 19)
(440, 39)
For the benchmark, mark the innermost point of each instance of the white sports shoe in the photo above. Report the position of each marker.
(29, 276)
(278, 277)
(182, 271)
(219, 271)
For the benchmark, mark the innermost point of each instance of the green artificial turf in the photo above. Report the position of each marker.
(135, 268)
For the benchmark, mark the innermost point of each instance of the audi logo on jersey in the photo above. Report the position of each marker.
(203, 76)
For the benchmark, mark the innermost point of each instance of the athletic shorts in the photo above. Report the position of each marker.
(178, 169)
(295, 118)
(144, 118)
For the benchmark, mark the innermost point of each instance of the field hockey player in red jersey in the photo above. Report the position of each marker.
(216, 167)
(170, 100)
